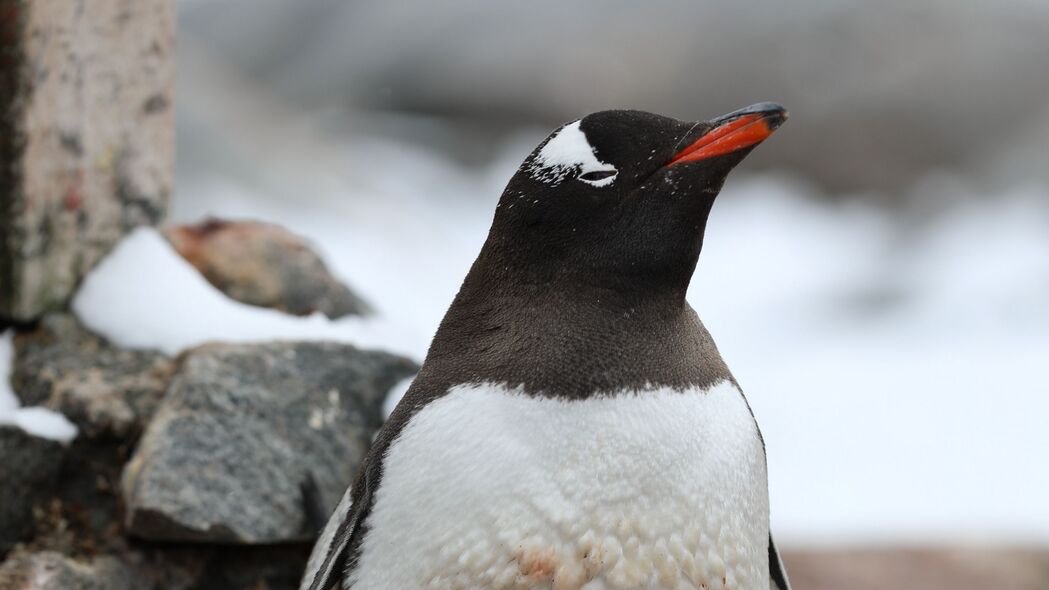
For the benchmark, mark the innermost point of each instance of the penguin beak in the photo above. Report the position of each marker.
(735, 131)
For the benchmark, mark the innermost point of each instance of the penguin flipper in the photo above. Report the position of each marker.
(327, 564)
(777, 573)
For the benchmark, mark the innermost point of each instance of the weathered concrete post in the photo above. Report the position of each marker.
(86, 138)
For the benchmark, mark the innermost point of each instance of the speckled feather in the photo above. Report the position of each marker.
(648, 489)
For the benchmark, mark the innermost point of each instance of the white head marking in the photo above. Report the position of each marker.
(569, 152)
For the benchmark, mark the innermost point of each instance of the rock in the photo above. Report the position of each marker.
(86, 510)
(160, 567)
(264, 265)
(241, 431)
(104, 390)
(272, 567)
(86, 139)
(110, 394)
(919, 569)
(29, 467)
(51, 570)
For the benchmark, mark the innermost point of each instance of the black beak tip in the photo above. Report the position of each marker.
(776, 118)
(773, 113)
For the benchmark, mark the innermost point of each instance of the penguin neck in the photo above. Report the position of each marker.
(562, 335)
(585, 276)
(569, 294)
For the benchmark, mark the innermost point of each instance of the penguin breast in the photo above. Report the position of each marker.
(488, 487)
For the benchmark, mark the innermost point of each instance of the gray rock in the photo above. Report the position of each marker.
(233, 567)
(243, 428)
(110, 394)
(29, 466)
(158, 567)
(51, 570)
(265, 265)
(103, 389)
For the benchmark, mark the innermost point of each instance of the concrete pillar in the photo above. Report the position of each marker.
(86, 138)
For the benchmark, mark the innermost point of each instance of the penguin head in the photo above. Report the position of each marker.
(620, 198)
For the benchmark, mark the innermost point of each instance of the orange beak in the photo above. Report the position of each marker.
(733, 132)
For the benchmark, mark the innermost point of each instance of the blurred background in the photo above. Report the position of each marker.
(877, 274)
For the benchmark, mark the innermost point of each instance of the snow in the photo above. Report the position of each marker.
(901, 389)
(896, 366)
(8, 400)
(45, 423)
(144, 295)
(37, 421)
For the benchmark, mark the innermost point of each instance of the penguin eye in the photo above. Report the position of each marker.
(599, 177)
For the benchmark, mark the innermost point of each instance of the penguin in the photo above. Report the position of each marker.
(573, 425)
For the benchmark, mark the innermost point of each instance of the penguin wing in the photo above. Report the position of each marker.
(334, 556)
(327, 563)
(777, 573)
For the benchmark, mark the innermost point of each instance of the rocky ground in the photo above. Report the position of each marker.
(209, 470)
(212, 469)
(919, 569)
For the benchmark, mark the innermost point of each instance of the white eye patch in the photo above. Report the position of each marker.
(569, 152)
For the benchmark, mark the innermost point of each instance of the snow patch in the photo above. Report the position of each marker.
(37, 421)
(144, 295)
(8, 400)
(45, 423)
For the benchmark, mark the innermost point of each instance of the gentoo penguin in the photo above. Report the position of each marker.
(573, 425)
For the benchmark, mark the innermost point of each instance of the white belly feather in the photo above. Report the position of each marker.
(487, 488)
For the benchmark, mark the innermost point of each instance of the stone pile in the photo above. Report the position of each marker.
(213, 469)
